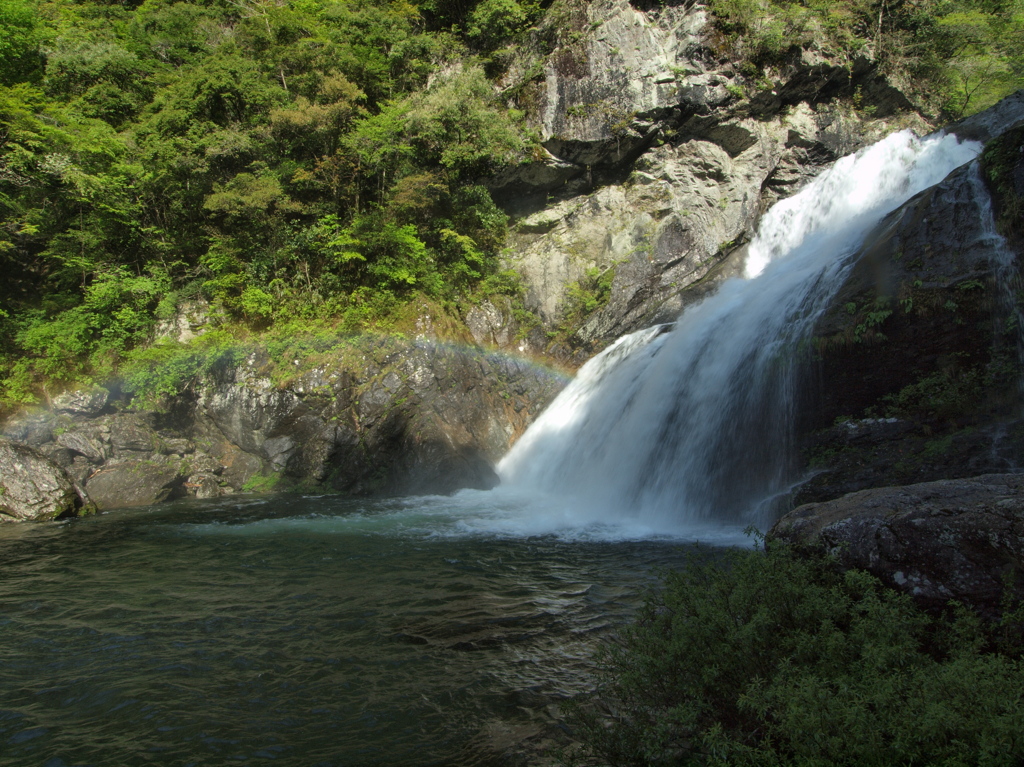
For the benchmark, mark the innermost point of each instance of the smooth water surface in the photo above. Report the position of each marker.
(302, 631)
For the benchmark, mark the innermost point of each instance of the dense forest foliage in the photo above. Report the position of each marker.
(319, 160)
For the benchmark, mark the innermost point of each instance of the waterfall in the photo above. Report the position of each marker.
(692, 424)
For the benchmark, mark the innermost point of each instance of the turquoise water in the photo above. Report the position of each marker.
(305, 631)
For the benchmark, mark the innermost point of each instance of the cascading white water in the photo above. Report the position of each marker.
(691, 426)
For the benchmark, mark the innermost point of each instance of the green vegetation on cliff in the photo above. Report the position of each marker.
(310, 160)
(956, 56)
(279, 160)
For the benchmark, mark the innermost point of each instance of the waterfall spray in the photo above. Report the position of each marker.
(694, 426)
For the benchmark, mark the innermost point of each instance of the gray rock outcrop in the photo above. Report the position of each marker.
(384, 416)
(372, 416)
(936, 541)
(660, 157)
(33, 488)
(120, 458)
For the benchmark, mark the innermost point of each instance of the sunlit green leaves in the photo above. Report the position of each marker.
(960, 55)
(988, 60)
(115, 313)
(459, 124)
(20, 59)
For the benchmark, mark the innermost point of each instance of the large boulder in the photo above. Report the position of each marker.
(86, 402)
(33, 488)
(937, 541)
(137, 482)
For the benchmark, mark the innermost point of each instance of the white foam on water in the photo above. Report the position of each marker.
(502, 513)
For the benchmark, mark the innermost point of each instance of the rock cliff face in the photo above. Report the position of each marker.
(371, 416)
(918, 367)
(661, 156)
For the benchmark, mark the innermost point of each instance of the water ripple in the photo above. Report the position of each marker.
(296, 631)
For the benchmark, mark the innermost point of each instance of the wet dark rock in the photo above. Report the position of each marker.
(136, 482)
(34, 488)
(925, 331)
(957, 539)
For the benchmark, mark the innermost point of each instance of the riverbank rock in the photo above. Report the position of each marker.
(937, 541)
(119, 457)
(35, 489)
(136, 482)
(361, 416)
(374, 416)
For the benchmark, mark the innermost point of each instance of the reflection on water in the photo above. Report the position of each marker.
(301, 631)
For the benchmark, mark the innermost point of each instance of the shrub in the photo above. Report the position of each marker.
(153, 373)
(769, 658)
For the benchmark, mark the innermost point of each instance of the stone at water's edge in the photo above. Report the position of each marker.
(936, 541)
(135, 482)
(375, 416)
(33, 488)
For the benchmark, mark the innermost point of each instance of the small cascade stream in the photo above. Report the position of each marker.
(693, 425)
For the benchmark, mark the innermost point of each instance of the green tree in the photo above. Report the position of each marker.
(460, 125)
(20, 59)
(495, 22)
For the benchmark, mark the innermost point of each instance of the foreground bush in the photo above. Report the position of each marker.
(768, 658)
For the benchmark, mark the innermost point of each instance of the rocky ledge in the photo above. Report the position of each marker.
(365, 416)
(936, 541)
